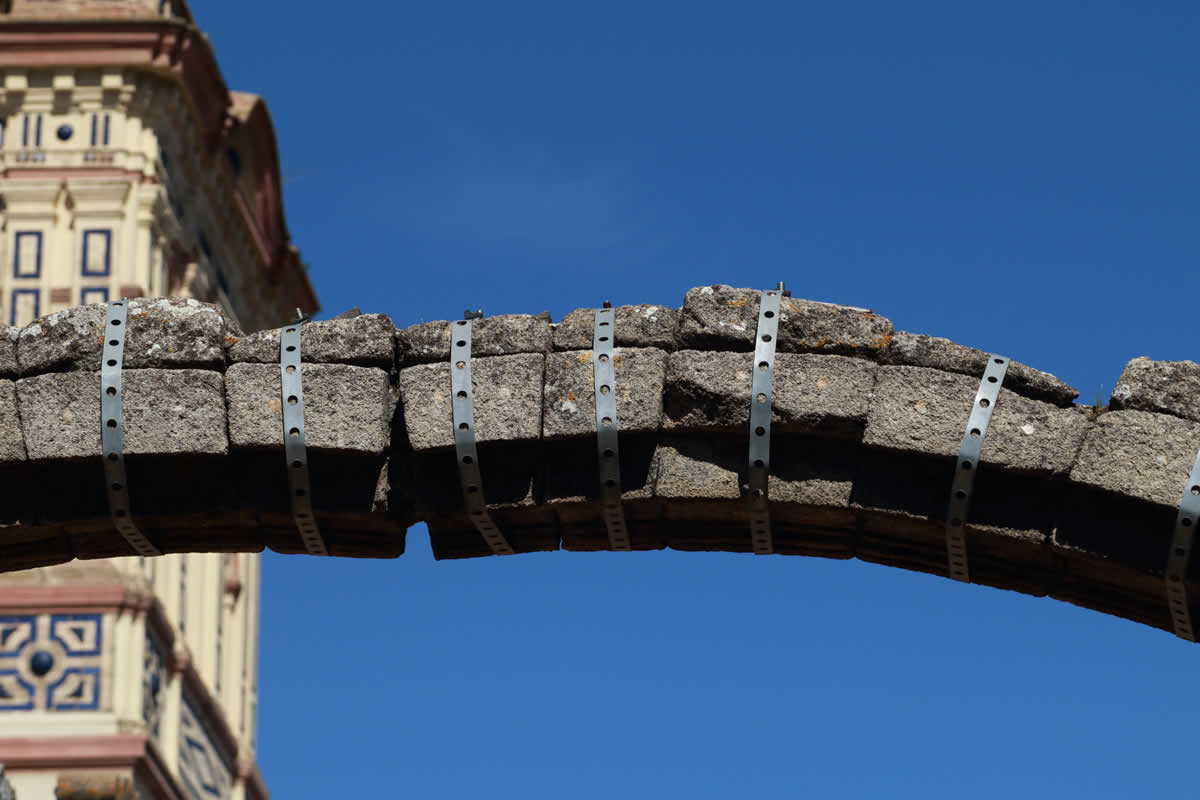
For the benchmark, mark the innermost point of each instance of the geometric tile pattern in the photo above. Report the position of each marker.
(50, 662)
(202, 768)
(154, 682)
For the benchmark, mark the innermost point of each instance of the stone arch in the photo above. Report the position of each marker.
(1071, 502)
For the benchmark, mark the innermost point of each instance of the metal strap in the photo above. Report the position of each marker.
(968, 463)
(112, 438)
(1181, 553)
(464, 437)
(605, 385)
(295, 450)
(760, 420)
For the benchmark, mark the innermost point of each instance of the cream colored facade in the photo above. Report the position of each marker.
(128, 169)
(151, 674)
(109, 193)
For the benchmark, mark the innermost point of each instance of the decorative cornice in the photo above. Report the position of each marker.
(178, 51)
(166, 46)
(120, 751)
(72, 752)
(103, 197)
(39, 197)
(70, 599)
(29, 174)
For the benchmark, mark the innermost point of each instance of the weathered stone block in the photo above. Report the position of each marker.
(636, 326)
(8, 352)
(570, 399)
(162, 332)
(725, 318)
(367, 340)
(575, 477)
(166, 412)
(503, 335)
(12, 443)
(714, 468)
(507, 394)
(1168, 387)
(924, 411)
(1140, 455)
(919, 350)
(906, 498)
(825, 395)
(346, 408)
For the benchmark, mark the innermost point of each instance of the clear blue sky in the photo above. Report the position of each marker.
(1021, 177)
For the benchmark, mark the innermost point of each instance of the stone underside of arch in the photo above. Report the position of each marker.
(1071, 502)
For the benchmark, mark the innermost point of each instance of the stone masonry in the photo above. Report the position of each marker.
(1070, 502)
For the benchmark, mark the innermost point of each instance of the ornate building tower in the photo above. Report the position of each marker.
(127, 168)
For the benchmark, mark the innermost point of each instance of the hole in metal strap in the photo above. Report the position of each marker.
(761, 398)
(295, 450)
(463, 409)
(112, 437)
(603, 380)
(968, 464)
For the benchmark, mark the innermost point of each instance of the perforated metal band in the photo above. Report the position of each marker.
(295, 448)
(605, 384)
(1181, 553)
(112, 437)
(968, 463)
(464, 438)
(760, 420)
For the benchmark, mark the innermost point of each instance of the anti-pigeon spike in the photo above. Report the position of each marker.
(476, 314)
(783, 289)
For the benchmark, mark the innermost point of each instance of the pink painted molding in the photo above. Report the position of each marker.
(17, 173)
(72, 752)
(120, 751)
(130, 751)
(71, 599)
(165, 45)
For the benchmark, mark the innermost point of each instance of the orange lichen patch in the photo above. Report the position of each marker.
(789, 304)
(162, 317)
(584, 357)
(738, 302)
(230, 341)
(571, 395)
(883, 341)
